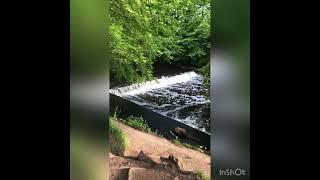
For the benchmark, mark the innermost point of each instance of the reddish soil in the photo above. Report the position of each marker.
(155, 148)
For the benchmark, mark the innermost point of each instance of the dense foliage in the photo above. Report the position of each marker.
(144, 32)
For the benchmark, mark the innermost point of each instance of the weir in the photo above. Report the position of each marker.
(154, 84)
(166, 103)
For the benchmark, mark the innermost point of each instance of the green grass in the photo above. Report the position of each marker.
(177, 141)
(118, 140)
(138, 123)
(197, 147)
(202, 175)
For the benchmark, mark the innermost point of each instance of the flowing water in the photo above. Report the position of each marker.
(181, 97)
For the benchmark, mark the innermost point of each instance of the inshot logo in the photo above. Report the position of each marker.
(232, 172)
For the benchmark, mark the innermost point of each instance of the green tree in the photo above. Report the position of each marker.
(165, 31)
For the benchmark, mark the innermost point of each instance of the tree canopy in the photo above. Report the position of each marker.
(144, 32)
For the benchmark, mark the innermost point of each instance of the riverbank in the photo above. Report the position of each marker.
(156, 148)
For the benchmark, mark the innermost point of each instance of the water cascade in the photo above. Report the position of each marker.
(181, 97)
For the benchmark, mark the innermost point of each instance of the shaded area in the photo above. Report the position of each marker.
(160, 69)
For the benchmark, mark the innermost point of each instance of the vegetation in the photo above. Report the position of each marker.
(145, 32)
(118, 140)
(202, 175)
(176, 141)
(199, 148)
(140, 124)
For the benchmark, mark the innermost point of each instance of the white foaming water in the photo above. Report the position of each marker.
(154, 84)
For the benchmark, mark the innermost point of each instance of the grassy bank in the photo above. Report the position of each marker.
(118, 140)
(177, 141)
(140, 124)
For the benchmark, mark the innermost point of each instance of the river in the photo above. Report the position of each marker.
(181, 97)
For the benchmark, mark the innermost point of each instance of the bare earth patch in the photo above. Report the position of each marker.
(157, 149)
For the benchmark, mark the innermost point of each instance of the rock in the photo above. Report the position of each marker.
(175, 161)
(141, 156)
(145, 158)
(111, 155)
(147, 174)
(119, 173)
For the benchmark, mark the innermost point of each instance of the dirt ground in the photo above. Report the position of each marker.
(154, 147)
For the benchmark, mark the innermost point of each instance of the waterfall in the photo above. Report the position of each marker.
(181, 97)
(139, 88)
